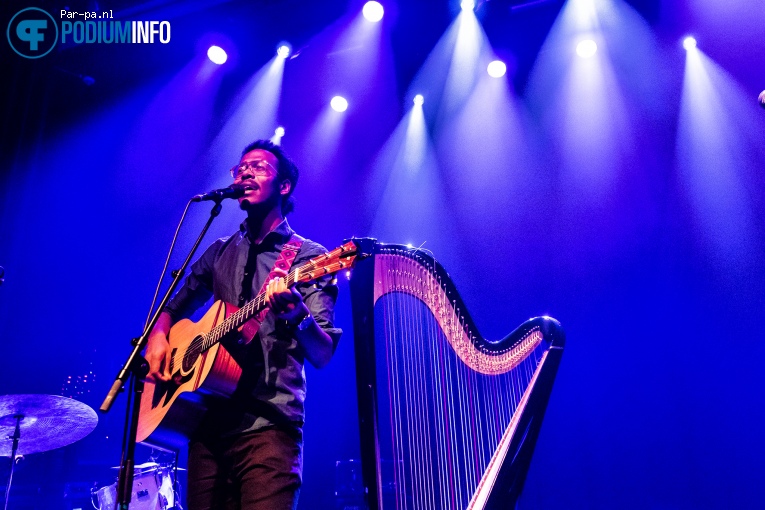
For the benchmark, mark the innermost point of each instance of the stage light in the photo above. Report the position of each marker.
(689, 43)
(339, 104)
(496, 69)
(586, 48)
(467, 5)
(278, 134)
(418, 99)
(373, 11)
(284, 50)
(217, 55)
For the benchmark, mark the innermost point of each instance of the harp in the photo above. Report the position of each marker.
(448, 419)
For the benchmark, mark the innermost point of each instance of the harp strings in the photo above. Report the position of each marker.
(445, 419)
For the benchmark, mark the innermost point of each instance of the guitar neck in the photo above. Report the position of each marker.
(329, 263)
(238, 318)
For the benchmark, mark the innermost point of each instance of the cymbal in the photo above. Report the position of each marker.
(47, 422)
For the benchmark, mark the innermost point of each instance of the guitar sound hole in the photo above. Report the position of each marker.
(195, 348)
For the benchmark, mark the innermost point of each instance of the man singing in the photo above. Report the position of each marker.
(247, 452)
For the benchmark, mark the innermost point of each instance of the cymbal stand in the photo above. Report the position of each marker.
(15, 437)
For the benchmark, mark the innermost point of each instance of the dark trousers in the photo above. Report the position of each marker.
(256, 471)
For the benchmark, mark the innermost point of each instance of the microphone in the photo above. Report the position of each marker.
(221, 194)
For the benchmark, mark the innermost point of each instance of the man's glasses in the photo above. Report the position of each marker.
(256, 168)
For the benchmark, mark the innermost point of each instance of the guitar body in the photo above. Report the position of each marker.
(171, 411)
(202, 369)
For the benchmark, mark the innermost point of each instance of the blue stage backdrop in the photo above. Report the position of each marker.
(612, 178)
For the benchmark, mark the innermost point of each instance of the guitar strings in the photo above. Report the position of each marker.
(328, 263)
(203, 342)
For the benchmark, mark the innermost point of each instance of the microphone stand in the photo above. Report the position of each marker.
(136, 368)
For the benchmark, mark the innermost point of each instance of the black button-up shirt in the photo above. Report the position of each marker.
(272, 388)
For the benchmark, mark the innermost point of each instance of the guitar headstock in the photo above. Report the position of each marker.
(331, 262)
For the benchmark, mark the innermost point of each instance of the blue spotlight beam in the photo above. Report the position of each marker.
(712, 148)
(253, 114)
(405, 166)
(453, 67)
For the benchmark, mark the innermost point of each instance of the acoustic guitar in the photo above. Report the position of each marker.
(202, 368)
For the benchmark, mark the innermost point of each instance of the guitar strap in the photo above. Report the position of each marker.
(281, 266)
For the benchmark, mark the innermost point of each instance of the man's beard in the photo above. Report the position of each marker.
(260, 207)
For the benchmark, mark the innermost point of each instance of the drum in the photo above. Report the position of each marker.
(152, 490)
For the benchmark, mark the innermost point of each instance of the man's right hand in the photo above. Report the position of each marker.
(158, 350)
